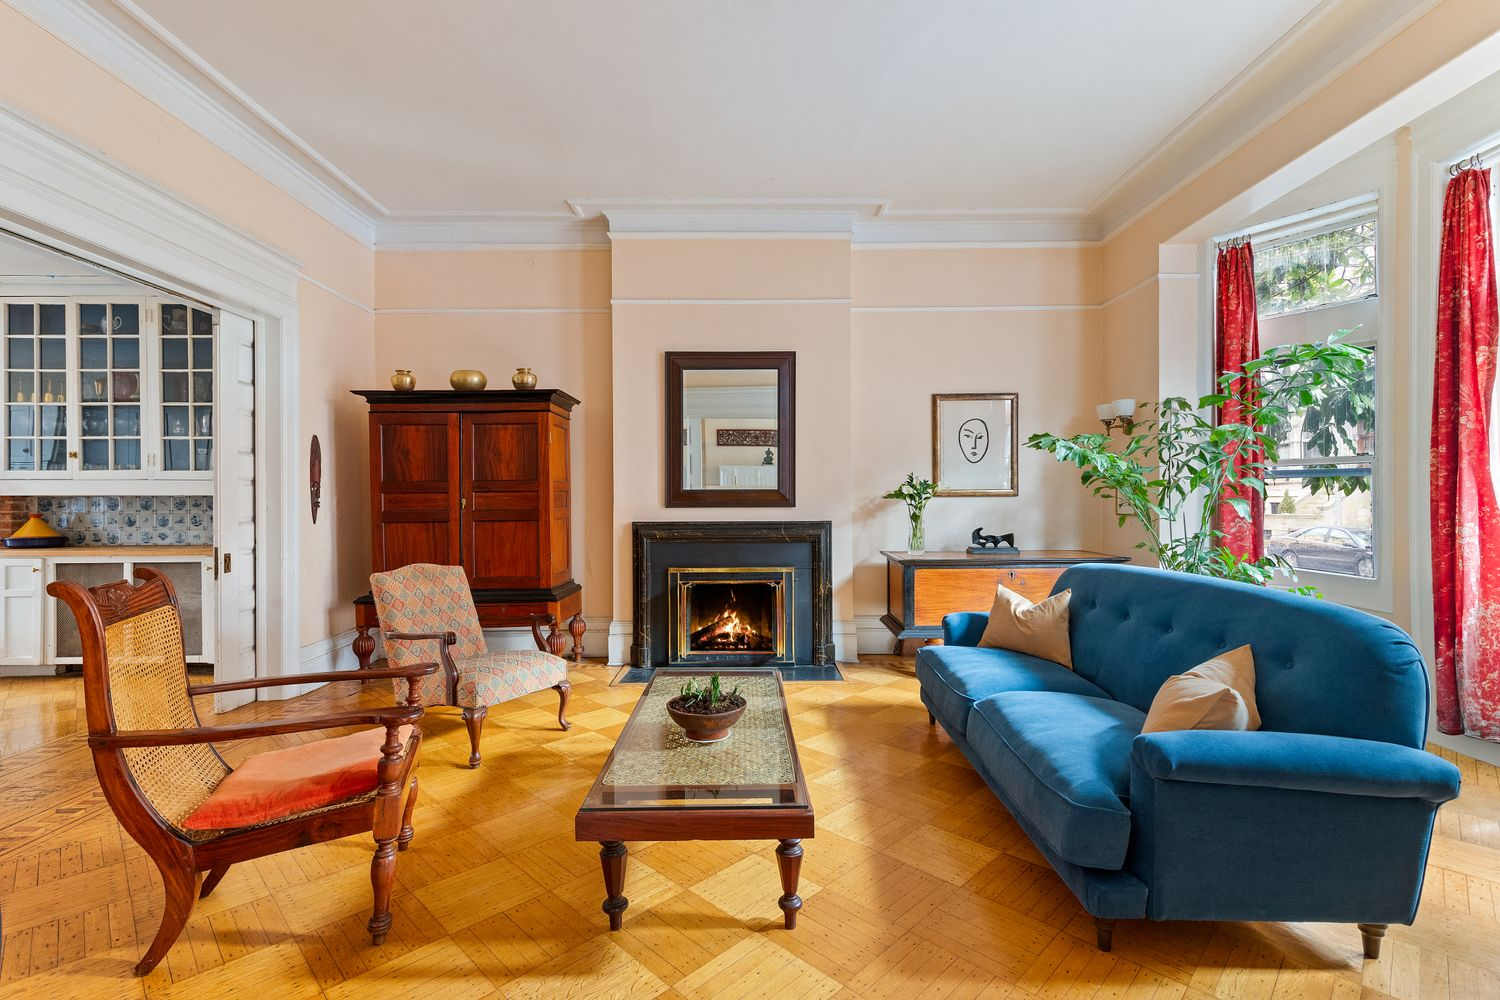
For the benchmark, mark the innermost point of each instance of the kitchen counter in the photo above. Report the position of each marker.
(140, 552)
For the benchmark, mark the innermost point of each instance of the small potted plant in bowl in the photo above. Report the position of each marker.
(706, 712)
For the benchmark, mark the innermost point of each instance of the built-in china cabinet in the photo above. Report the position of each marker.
(112, 394)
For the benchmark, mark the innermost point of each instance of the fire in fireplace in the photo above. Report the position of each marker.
(730, 616)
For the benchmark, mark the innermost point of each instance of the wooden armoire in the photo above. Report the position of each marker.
(478, 480)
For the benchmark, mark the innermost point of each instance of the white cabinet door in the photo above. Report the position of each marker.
(234, 508)
(21, 612)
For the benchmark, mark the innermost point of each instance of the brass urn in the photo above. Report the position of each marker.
(403, 380)
(524, 378)
(468, 380)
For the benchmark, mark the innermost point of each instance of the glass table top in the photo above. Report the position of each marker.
(653, 766)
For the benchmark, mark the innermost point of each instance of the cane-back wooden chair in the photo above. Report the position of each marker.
(189, 810)
(427, 612)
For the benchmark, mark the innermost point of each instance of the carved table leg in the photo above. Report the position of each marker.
(789, 860)
(612, 856)
(577, 626)
(364, 646)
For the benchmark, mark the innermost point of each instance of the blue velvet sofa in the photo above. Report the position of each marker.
(1325, 813)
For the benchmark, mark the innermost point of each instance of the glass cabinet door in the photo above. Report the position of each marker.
(187, 389)
(36, 387)
(110, 377)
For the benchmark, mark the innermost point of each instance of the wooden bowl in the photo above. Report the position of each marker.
(704, 728)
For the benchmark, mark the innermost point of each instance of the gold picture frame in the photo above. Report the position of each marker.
(975, 441)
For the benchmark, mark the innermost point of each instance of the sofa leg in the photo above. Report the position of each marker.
(931, 719)
(1372, 935)
(1104, 933)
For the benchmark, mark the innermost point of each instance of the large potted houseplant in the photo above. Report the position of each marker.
(706, 712)
(1176, 467)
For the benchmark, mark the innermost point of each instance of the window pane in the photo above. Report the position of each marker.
(20, 457)
(203, 456)
(127, 387)
(127, 421)
(175, 456)
(1317, 531)
(91, 318)
(203, 323)
(95, 421)
(21, 319)
(22, 421)
(54, 319)
(174, 387)
(93, 353)
(127, 320)
(95, 455)
(94, 385)
(21, 352)
(54, 455)
(174, 320)
(21, 388)
(1337, 266)
(128, 454)
(203, 421)
(175, 421)
(174, 352)
(127, 352)
(54, 421)
(54, 354)
(203, 387)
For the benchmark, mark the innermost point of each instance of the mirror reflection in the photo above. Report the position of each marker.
(729, 429)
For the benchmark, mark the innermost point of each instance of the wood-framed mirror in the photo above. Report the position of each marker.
(731, 428)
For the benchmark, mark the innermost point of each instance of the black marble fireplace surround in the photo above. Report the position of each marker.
(801, 546)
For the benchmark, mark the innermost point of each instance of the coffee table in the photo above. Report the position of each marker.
(658, 785)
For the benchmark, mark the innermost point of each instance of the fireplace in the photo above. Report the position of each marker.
(725, 616)
(733, 594)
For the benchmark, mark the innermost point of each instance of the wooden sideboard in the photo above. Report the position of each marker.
(921, 589)
(479, 480)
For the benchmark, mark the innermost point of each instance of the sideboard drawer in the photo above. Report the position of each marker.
(941, 591)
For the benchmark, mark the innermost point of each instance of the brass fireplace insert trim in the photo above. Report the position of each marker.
(779, 577)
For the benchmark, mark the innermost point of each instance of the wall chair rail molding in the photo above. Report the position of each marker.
(67, 196)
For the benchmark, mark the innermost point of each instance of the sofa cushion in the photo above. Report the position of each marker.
(1040, 629)
(1064, 761)
(953, 678)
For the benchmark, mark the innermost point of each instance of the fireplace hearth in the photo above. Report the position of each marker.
(724, 594)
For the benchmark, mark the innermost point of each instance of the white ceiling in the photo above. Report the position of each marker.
(477, 106)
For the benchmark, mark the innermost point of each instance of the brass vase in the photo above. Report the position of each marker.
(468, 380)
(524, 378)
(403, 380)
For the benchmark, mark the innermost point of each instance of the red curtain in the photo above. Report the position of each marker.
(1237, 341)
(1465, 518)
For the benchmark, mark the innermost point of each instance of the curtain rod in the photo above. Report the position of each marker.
(1467, 163)
(1233, 241)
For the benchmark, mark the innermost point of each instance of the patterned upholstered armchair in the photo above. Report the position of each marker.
(188, 809)
(427, 611)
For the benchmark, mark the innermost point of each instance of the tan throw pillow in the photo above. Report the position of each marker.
(1039, 629)
(1219, 694)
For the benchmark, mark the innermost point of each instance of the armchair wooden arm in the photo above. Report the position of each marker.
(413, 671)
(392, 719)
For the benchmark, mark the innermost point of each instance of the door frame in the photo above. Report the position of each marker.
(67, 196)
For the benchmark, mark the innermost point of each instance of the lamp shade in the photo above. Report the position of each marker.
(1105, 410)
(1124, 407)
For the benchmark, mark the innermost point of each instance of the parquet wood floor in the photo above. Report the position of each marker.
(917, 885)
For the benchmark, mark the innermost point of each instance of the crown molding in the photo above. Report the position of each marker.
(829, 218)
(1330, 39)
(490, 231)
(209, 105)
(977, 228)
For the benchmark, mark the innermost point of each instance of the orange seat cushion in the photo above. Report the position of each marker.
(279, 783)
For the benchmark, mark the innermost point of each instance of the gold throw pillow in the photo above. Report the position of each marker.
(1039, 629)
(1218, 694)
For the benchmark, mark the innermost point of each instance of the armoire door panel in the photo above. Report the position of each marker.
(561, 550)
(414, 489)
(502, 449)
(505, 554)
(510, 502)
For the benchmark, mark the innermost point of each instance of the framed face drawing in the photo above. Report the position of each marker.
(974, 441)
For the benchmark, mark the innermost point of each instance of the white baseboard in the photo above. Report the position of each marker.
(333, 653)
(595, 640)
(874, 637)
(620, 635)
(845, 642)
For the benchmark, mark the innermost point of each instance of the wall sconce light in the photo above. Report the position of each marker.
(1117, 413)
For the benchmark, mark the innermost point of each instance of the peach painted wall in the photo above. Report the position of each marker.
(85, 102)
(501, 310)
(927, 321)
(764, 279)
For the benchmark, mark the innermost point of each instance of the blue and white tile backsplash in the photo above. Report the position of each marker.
(131, 520)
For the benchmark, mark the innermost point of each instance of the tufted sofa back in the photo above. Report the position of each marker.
(1319, 667)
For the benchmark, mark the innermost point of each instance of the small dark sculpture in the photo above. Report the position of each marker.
(996, 544)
